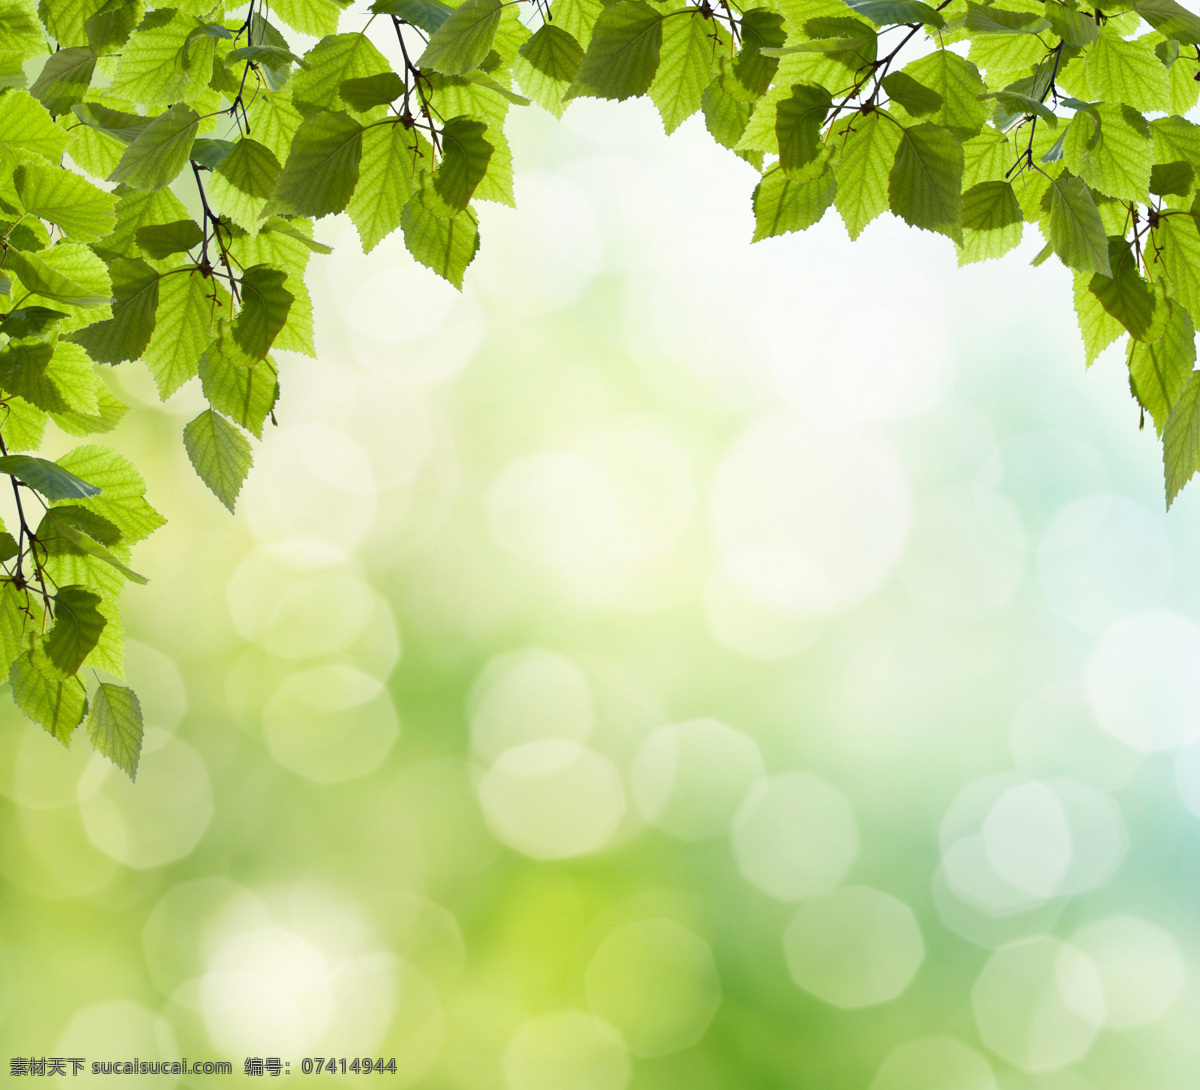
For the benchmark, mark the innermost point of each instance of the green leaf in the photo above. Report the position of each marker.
(184, 325)
(1181, 439)
(1176, 244)
(724, 116)
(1072, 26)
(315, 17)
(12, 70)
(50, 479)
(1175, 139)
(992, 221)
(895, 12)
(1114, 158)
(990, 20)
(122, 500)
(21, 620)
(862, 169)
(1127, 72)
(114, 726)
(109, 412)
(76, 531)
(64, 20)
(22, 365)
(64, 198)
(210, 153)
(124, 127)
(160, 240)
(58, 706)
(30, 321)
(1167, 52)
(65, 79)
(322, 170)
(426, 14)
(1017, 104)
(447, 246)
(20, 29)
(925, 183)
(858, 47)
(109, 29)
(219, 453)
(685, 68)
(245, 394)
(371, 91)
(265, 306)
(274, 121)
(465, 158)
(1170, 19)
(392, 158)
(1173, 179)
(464, 39)
(25, 125)
(168, 59)
(40, 278)
(69, 384)
(160, 151)
(546, 65)
(8, 546)
(269, 56)
(79, 519)
(1159, 372)
(331, 62)
(782, 205)
(1127, 297)
(915, 97)
(244, 181)
(753, 70)
(1076, 231)
(77, 627)
(622, 59)
(798, 122)
(959, 84)
(125, 335)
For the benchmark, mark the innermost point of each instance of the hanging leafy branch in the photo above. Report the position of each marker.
(966, 119)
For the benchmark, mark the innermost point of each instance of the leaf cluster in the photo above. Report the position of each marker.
(165, 167)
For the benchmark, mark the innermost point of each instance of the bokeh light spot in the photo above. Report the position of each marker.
(854, 948)
(159, 819)
(1054, 733)
(750, 626)
(298, 599)
(330, 723)
(552, 799)
(795, 836)
(1140, 966)
(528, 696)
(1039, 1003)
(656, 981)
(965, 554)
(568, 1050)
(119, 1029)
(1101, 559)
(267, 989)
(809, 521)
(1144, 680)
(934, 1063)
(690, 778)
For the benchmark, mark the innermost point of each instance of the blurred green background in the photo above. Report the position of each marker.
(670, 663)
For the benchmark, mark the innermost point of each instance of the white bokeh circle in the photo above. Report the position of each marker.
(795, 836)
(809, 521)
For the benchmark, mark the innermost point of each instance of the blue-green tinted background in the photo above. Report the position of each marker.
(670, 663)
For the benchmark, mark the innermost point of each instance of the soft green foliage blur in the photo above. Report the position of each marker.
(601, 685)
